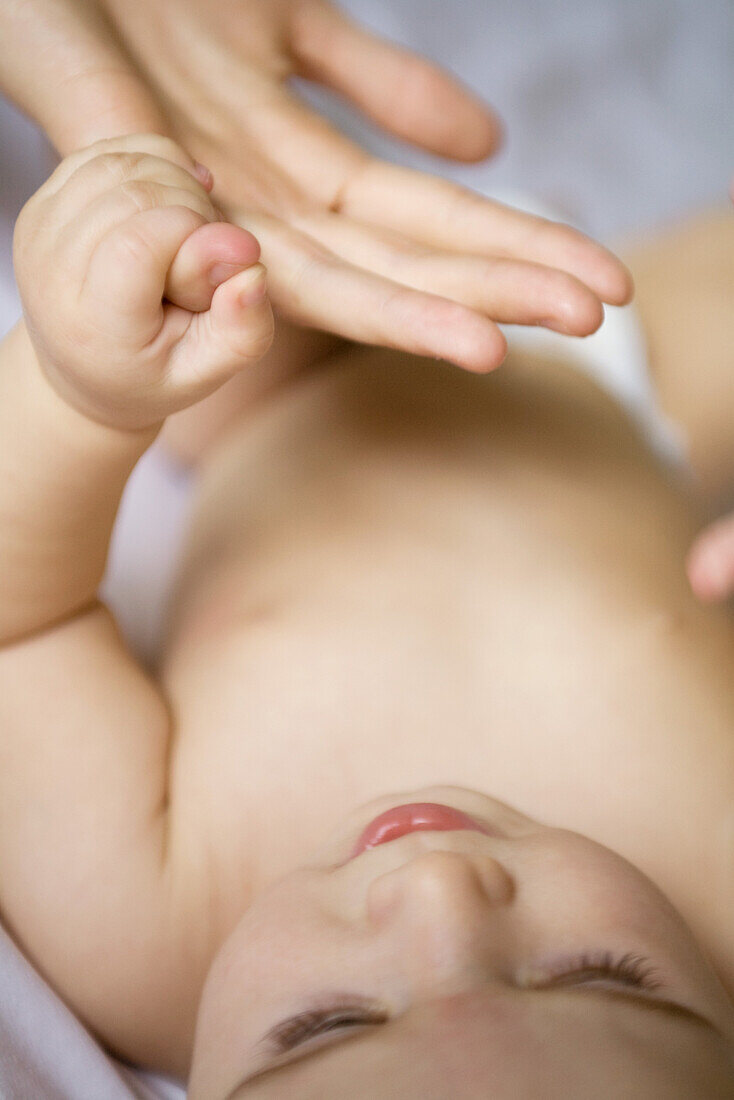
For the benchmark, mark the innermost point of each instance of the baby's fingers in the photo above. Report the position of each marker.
(236, 331)
(205, 260)
(127, 151)
(126, 275)
(711, 561)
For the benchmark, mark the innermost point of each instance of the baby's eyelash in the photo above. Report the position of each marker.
(629, 969)
(291, 1033)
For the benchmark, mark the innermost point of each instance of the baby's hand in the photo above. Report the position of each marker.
(138, 298)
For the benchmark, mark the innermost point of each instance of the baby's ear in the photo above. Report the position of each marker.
(211, 255)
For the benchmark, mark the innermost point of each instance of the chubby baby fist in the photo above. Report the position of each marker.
(139, 300)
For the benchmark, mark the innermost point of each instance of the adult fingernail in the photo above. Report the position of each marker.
(219, 273)
(555, 325)
(253, 287)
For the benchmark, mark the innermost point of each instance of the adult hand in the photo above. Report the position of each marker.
(63, 64)
(353, 245)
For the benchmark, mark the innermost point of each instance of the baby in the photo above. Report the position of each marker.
(400, 578)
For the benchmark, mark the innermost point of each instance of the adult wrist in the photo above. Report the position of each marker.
(63, 65)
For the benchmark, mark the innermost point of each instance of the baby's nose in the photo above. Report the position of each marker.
(445, 914)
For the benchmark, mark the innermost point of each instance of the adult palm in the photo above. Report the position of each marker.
(355, 246)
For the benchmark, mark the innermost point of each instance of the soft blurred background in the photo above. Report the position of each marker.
(619, 113)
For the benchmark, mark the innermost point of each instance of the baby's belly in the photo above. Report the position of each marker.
(400, 576)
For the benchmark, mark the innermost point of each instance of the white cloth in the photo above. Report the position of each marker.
(145, 550)
(46, 1054)
(616, 357)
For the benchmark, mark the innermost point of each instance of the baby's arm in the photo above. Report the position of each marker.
(87, 881)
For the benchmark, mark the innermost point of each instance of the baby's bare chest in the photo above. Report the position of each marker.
(490, 621)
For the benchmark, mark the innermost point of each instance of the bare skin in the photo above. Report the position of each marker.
(684, 279)
(482, 528)
(684, 295)
(512, 533)
(397, 576)
(456, 964)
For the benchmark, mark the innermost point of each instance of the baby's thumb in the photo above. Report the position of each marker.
(711, 561)
(236, 331)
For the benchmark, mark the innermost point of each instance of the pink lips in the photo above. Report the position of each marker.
(411, 818)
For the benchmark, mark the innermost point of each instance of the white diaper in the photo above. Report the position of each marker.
(615, 357)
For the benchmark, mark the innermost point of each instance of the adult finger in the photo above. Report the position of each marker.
(710, 563)
(311, 286)
(401, 91)
(445, 215)
(205, 260)
(510, 291)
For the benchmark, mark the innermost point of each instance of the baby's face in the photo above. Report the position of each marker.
(518, 960)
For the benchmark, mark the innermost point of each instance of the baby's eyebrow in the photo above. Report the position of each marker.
(671, 1009)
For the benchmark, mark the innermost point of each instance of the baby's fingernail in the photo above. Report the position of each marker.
(253, 287)
(203, 175)
(219, 273)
